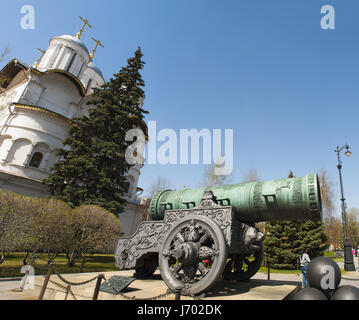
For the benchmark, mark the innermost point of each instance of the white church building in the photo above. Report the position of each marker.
(37, 106)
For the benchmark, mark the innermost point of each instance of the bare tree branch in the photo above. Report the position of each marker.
(159, 184)
(251, 175)
(210, 178)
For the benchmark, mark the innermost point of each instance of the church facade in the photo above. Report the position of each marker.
(37, 106)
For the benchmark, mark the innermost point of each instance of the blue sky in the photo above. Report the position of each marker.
(266, 69)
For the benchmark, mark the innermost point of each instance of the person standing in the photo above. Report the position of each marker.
(304, 261)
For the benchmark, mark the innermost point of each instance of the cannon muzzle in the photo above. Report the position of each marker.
(284, 199)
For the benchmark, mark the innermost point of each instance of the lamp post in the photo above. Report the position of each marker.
(348, 256)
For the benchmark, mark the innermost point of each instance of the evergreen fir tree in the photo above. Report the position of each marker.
(92, 167)
(285, 240)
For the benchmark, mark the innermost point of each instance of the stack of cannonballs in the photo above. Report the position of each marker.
(324, 276)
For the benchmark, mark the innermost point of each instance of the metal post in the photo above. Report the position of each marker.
(46, 281)
(97, 288)
(268, 270)
(178, 294)
(348, 256)
(298, 267)
(68, 288)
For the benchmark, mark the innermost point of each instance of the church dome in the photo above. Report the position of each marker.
(72, 39)
(67, 53)
(93, 67)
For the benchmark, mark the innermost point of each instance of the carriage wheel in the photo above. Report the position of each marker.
(193, 256)
(241, 268)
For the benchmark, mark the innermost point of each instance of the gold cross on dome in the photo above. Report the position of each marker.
(38, 60)
(98, 43)
(86, 23)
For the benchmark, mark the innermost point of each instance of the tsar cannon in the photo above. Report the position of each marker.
(197, 236)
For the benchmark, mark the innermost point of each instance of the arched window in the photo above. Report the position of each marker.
(36, 160)
(126, 187)
(39, 156)
(19, 151)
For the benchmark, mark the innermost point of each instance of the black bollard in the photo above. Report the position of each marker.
(178, 294)
(68, 288)
(46, 281)
(97, 288)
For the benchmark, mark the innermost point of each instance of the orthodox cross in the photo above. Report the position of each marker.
(86, 23)
(38, 60)
(98, 43)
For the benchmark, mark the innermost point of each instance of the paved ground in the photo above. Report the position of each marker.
(258, 288)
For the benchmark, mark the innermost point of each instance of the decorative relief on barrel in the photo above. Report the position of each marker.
(312, 193)
(258, 200)
(297, 194)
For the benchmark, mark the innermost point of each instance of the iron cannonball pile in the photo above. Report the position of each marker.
(324, 277)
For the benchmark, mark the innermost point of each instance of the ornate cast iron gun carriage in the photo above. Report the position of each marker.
(198, 236)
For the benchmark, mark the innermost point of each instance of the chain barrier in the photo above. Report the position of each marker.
(66, 288)
(37, 266)
(72, 283)
(161, 296)
(69, 284)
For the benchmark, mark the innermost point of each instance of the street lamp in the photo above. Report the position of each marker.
(348, 256)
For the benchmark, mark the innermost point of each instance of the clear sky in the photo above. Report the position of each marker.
(266, 69)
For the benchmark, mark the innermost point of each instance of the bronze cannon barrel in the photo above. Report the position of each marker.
(284, 199)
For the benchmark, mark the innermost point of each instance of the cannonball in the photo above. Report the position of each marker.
(309, 293)
(346, 293)
(324, 274)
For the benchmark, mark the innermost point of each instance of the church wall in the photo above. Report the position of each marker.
(38, 125)
(61, 95)
(133, 215)
(90, 79)
(32, 93)
(23, 186)
(6, 99)
(18, 151)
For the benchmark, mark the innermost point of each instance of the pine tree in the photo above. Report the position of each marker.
(93, 166)
(286, 239)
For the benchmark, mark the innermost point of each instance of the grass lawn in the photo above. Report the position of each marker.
(330, 254)
(265, 270)
(96, 263)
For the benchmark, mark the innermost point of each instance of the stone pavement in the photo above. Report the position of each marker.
(258, 288)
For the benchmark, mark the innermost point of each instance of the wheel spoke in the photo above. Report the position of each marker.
(175, 253)
(179, 237)
(205, 237)
(178, 268)
(202, 268)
